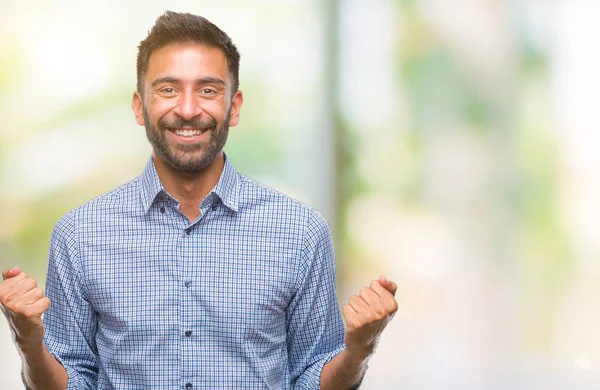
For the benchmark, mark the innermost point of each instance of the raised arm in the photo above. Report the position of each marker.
(366, 315)
(23, 304)
(71, 322)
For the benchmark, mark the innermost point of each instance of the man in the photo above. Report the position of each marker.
(191, 275)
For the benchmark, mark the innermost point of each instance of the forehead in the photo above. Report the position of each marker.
(187, 62)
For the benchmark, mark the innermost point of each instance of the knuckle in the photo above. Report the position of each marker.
(351, 321)
(380, 313)
(28, 288)
(364, 291)
(7, 299)
(15, 307)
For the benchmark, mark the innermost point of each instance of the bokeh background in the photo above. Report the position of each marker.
(451, 144)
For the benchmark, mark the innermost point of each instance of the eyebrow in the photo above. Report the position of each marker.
(202, 81)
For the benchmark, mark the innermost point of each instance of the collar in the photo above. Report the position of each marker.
(227, 188)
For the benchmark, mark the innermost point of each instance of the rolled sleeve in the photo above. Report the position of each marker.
(315, 327)
(70, 322)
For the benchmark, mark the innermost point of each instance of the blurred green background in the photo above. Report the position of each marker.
(449, 143)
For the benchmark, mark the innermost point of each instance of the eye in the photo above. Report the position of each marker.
(207, 91)
(167, 90)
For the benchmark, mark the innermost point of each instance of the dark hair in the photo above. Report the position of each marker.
(174, 27)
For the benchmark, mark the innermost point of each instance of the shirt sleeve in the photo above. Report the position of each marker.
(315, 328)
(70, 323)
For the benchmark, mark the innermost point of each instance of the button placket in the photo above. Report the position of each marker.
(188, 316)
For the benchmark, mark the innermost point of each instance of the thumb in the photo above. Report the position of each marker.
(10, 272)
(41, 306)
(388, 284)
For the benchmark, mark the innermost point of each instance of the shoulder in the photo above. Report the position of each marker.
(253, 193)
(125, 196)
(259, 197)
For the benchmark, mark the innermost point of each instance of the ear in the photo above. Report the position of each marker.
(137, 105)
(236, 105)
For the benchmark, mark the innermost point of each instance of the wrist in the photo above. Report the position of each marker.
(357, 356)
(29, 348)
(359, 349)
(29, 340)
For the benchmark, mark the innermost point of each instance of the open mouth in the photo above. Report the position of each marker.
(188, 132)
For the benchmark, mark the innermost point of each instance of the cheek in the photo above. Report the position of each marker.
(159, 110)
(216, 110)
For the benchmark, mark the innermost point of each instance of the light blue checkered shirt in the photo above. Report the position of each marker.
(242, 298)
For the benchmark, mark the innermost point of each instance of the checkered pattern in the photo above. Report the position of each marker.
(242, 298)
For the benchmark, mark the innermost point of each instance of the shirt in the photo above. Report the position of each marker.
(242, 298)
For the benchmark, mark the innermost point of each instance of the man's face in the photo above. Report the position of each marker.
(187, 106)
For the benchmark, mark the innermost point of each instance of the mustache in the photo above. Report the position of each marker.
(193, 123)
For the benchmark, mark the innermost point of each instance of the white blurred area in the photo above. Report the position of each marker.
(488, 226)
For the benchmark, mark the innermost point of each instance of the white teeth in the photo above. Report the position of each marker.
(188, 133)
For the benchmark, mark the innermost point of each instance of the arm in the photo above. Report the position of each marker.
(344, 371)
(41, 370)
(315, 331)
(71, 322)
(366, 316)
(23, 304)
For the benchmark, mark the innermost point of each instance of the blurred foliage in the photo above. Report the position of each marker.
(10, 65)
(503, 220)
(442, 96)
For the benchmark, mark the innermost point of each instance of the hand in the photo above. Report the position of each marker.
(367, 315)
(23, 304)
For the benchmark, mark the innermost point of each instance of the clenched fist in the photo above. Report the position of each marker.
(367, 314)
(23, 304)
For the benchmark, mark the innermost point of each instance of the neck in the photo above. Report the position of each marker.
(189, 188)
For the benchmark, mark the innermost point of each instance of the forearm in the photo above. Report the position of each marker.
(41, 371)
(345, 371)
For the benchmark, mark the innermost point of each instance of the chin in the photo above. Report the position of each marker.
(191, 166)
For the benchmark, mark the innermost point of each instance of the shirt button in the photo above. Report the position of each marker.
(162, 210)
(188, 231)
(188, 283)
(188, 333)
(188, 385)
(214, 206)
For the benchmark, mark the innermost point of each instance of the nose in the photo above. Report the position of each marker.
(188, 105)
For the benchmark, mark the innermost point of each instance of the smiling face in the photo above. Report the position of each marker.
(188, 105)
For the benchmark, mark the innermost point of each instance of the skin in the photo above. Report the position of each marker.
(366, 316)
(23, 304)
(188, 82)
(188, 86)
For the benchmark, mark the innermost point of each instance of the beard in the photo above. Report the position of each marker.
(188, 158)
